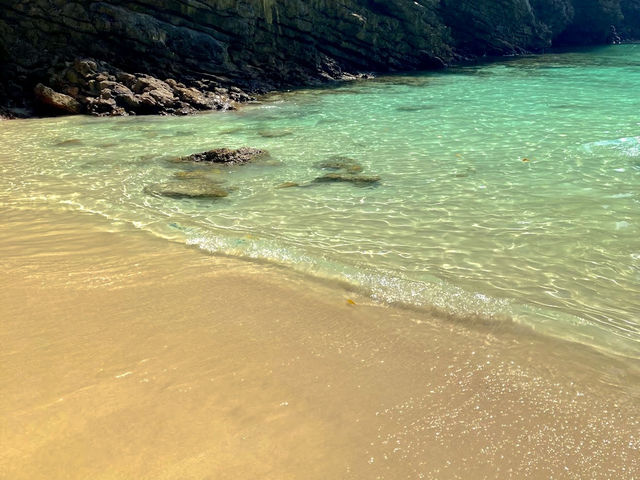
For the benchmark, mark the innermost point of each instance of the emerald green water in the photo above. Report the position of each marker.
(458, 224)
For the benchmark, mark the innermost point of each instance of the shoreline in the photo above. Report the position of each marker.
(130, 356)
(194, 98)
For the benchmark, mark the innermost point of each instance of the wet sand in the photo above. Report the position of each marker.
(126, 356)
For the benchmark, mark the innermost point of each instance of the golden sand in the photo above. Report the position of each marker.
(129, 357)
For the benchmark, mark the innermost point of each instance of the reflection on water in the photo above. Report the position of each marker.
(507, 191)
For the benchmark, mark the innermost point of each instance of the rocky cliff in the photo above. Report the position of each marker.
(206, 46)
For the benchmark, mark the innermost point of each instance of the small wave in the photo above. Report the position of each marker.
(428, 294)
(629, 146)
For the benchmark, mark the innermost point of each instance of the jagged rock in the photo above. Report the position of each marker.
(194, 97)
(85, 67)
(125, 97)
(6, 115)
(101, 106)
(100, 89)
(126, 79)
(55, 100)
(226, 156)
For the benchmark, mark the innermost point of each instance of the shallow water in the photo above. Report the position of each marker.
(127, 356)
(459, 223)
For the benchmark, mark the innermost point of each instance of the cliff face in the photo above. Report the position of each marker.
(269, 43)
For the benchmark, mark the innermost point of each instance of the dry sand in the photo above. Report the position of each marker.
(129, 357)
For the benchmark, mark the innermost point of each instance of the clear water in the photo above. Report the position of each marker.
(459, 222)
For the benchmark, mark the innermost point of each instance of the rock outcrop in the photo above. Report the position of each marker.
(207, 46)
(94, 87)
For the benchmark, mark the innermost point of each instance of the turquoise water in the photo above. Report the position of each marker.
(459, 223)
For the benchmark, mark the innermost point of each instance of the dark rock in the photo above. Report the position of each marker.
(126, 79)
(55, 100)
(226, 156)
(100, 89)
(6, 114)
(101, 106)
(85, 67)
(348, 178)
(125, 97)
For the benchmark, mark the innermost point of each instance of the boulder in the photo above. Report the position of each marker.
(194, 97)
(55, 100)
(226, 156)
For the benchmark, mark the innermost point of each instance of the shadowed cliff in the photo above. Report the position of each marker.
(266, 44)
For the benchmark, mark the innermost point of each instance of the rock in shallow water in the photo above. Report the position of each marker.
(360, 180)
(275, 133)
(190, 189)
(226, 156)
(196, 175)
(288, 185)
(340, 163)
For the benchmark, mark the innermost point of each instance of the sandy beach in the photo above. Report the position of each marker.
(126, 356)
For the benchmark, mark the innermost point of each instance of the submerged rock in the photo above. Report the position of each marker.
(226, 156)
(414, 108)
(191, 189)
(340, 163)
(465, 172)
(195, 175)
(275, 133)
(349, 178)
(68, 143)
(288, 185)
(345, 169)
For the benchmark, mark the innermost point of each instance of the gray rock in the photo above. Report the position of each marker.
(226, 156)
